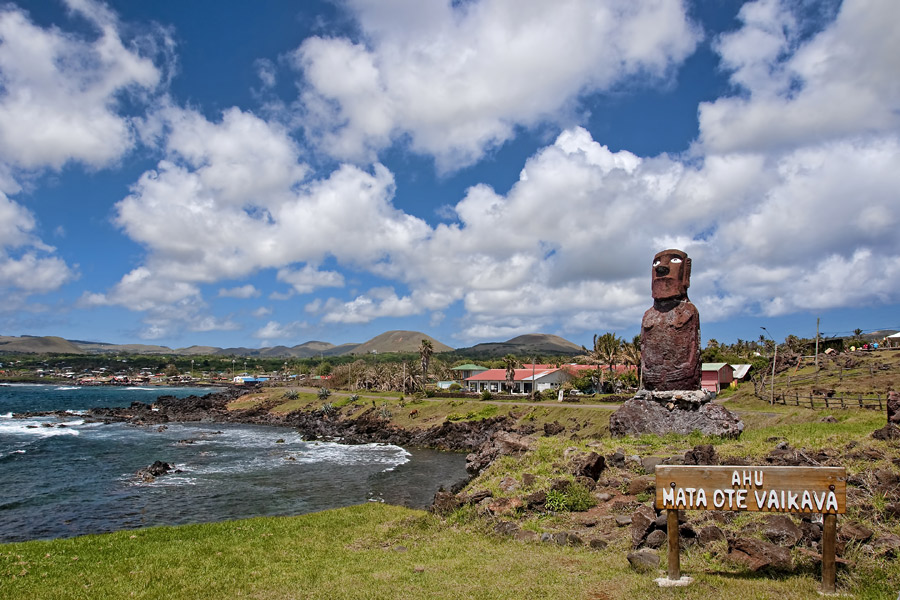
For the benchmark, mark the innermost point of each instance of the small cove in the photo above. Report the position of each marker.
(67, 477)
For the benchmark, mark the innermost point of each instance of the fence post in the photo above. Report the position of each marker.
(829, 546)
(672, 535)
(879, 403)
(811, 400)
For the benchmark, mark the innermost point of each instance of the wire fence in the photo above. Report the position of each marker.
(809, 400)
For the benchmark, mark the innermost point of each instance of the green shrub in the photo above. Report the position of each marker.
(454, 387)
(486, 395)
(324, 393)
(290, 395)
(575, 498)
(556, 501)
(455, 417)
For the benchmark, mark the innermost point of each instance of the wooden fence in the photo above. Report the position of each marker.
(842, 401)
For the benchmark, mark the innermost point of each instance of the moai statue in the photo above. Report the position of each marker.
(670, 330)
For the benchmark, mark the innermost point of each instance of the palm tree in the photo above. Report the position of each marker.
(510, 362)
(608, 347)
(631, 354)
(425, 351)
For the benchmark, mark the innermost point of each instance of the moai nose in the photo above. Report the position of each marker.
(662, 271)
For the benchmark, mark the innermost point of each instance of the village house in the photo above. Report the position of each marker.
(716, 376)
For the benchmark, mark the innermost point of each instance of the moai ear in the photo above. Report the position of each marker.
(686, 273)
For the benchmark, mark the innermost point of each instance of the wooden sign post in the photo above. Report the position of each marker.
(759, 489)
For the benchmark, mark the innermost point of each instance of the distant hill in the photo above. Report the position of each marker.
(103, 348)
(524, 345)
(398, 341)
(38, 345)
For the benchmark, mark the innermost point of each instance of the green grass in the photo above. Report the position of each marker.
(367, 552)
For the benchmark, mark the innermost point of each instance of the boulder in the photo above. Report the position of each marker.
(444, 503)
(588, 464)
(893, 408)
(649, 463)
(781, 530)
(757, 554)
(640, 415)
(854, 532)
(888, 432)
(153, 471)
(709, 534)
(616, 459)
(640, 485)
(536, 499)
(887, 545)
(656, 539)
(644, 559)
(553, 428)
(506, 528)
(702, 454)
(505, 506)
(641, 524)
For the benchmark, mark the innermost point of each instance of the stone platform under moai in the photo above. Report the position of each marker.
(675, 411)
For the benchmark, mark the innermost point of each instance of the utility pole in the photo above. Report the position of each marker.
(774, 360)
(817, 350)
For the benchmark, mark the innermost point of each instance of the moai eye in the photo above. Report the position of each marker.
(675, 260)
(656, 262)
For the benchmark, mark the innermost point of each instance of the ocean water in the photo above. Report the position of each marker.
(67, 477)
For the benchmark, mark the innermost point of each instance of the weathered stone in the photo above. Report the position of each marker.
(892, 509)
(757, 554)
(638, 416)
(781, 530)
(703, 454)
(888, 432)
(505, 506)
(573, 539)
(623, 520)
(586, 482)
(656, 539)
(710, 534)
(641, 523)
(893, 408)
(640, 485)
(603, 497)
(444, 502)
(616, 459)
(526, 536)
(598, 543)
(506, 528)
(153, 471)
(887, 545)
(812, 532)
(588, 464)
(644, 559)
(560, 484)
(670, 329)
(477, 496)
(528, 479)
(649, 463)
(509, 484)
(854, 532)
(554, 428)
(536, 499)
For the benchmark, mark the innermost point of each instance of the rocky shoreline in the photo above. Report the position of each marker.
(368, 427)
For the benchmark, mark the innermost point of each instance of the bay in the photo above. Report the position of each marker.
(67, 477)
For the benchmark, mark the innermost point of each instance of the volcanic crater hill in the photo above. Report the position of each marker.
(398, 341)
(523, 345)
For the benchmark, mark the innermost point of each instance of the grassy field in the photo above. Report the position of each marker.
(376, 551)
(367, 552)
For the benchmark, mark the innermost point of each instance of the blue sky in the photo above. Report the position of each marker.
(224, 173)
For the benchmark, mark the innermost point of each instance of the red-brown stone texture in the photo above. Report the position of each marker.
(670, 330)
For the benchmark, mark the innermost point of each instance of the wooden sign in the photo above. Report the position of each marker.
(762, 489)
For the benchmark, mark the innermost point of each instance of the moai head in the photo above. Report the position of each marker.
(670, 274)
